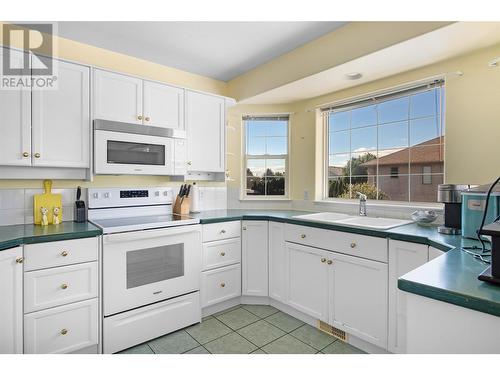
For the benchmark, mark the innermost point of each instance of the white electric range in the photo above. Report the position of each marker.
(151, 264)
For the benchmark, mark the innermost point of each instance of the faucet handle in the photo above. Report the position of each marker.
(361, 196)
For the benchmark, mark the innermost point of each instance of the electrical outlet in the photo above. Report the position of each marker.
(306, 195)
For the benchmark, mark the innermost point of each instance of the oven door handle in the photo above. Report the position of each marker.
(149, 234)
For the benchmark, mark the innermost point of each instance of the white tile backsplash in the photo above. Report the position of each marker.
(11, 199)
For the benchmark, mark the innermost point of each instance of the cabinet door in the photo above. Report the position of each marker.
(163, 105)
(277, 264)
(307, 278)
(254, 257)
(11, 308)
(403, 257)
(15, 122)
(360, 298)
(61, 120)
(205, 126)
(117, 97)
(180, 157)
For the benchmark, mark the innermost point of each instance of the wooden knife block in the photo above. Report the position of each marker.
(182, 206)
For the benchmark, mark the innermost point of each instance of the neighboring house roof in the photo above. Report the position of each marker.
(419, 155)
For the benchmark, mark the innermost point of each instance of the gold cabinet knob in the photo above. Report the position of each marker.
(222, 285)
(19, 260)
(64, 286)
(353, 245)
(139, 117)
(329, 262)
(222, 253)
(302, 236)
(64, 253)
(189, 163)
(222, 231)
(37, 155)
(243, 228)
(147, 118)
(25, 154)
(323, 260)
(64, 331)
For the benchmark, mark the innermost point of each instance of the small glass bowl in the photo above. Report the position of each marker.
(424, 217)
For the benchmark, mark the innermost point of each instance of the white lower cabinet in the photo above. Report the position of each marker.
(254, 258)
(403, 257)
(62, 329)
(277, 264)
(11, 306)
(220, 285)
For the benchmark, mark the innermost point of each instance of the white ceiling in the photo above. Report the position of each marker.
(444, 43)
(221, 50)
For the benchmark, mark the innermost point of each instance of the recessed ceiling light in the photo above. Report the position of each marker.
(354, 75)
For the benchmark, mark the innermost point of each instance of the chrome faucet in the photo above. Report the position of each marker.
(362, 203)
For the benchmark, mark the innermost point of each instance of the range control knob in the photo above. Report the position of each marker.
(107, 195)
(157, 193)
(165, 193)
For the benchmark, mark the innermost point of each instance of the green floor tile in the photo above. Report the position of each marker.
(139, 349)
(227, 310)
(262, 311)
(313, 336)
(230, 344)
(208, 330)
(174, 343)
(340, 347)
(284, 321)
(198, 350)
(258, 351)
(261, 333)
(238, 318)
(288, 345)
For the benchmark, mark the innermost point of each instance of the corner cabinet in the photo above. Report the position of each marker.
(254, 258)
(205, 126)
(11, 308)
(277, 264)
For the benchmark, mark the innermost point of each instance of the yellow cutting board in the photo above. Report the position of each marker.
(47, 200)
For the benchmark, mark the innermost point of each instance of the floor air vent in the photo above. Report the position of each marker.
(338, 333)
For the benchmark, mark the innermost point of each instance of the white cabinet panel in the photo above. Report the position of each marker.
(221, 253)
(205, 119)
(180, 157)
(117, 97)
(163, 105)
(220, 285)
(15, 121)
(277, 264)
(11, 307)
(403, 257)
(61, 120)
(254, 258)
(308, 280)
(220, 231)
(360, 297)
(61, 329)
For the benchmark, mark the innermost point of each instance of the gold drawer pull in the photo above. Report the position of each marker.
(323, 260)
(139, 117)
(353, 245)
(147, 119)
(25, 154)
(329, 262)
(64, 286)
(64, 331)
(244, 228)
(222, 253)
(222, 285)
(302, 236)
(222, 231)
(64, 253)
(19, 260)
(37, 155)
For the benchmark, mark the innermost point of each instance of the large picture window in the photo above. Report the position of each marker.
(265, 156)
(389, 147)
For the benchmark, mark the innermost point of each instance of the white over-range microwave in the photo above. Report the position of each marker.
(122, 148)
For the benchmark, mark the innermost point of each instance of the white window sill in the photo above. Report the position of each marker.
(265, 200)
(382, 205)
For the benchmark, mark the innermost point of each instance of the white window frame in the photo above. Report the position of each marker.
(245, 157)
(353, 101)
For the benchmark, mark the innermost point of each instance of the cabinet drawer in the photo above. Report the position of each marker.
(221, 253)
(220, 285)
(60, 253)
(61, 329)
(220, 231)
(58, 286)
(358, 245)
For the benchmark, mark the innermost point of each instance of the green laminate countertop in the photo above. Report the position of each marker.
(15, 235)
(451, 277)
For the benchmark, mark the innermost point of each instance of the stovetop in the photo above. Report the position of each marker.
(127, 224)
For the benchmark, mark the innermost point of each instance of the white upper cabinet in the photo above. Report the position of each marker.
(205, 119)
(61, 120)
(11, 308)
(163, 105)
(15, 122)
(117, 97)
(254, 258)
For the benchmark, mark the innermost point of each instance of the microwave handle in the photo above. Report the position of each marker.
(146, 235)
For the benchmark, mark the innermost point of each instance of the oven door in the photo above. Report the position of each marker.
(147, 266)
(126, 153)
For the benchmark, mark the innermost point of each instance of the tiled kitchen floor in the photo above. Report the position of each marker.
(243, 329)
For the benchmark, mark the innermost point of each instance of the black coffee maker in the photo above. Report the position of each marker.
(451, 196)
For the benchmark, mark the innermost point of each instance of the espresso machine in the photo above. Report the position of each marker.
(451, 196)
